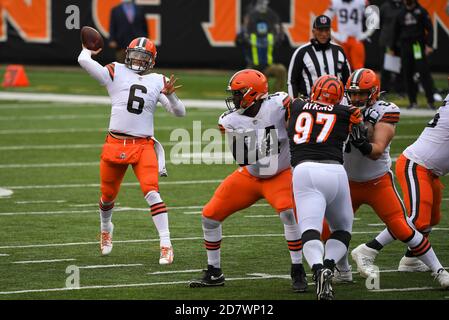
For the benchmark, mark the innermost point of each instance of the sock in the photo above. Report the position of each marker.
(421, 248)
(335, 250)
(313, 252)
(293, 237)
(384, 238)
(160, 217)
(106, 209)
(212, 242)
(374, 244)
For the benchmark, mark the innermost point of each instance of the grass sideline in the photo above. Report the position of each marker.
(197, 84)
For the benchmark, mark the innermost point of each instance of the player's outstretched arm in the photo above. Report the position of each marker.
(170, 100)
(96, 70)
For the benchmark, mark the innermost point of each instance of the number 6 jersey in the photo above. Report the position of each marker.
(134, 97)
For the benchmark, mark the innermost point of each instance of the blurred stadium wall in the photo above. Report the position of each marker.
(189, 33)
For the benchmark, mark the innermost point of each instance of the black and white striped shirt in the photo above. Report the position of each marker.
(308, 63)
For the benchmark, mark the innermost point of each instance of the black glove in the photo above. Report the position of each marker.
(359, 139)
(371, 115)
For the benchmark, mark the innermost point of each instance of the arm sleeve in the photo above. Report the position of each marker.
(172, 104)
(96, 70)
(295, 74)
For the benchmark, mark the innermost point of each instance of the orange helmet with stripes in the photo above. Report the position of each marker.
(363, 88)
(140, 55)
(328, 90)
(246, 86)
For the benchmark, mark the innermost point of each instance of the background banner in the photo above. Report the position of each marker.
(189, 33)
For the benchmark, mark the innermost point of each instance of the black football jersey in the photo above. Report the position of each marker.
(319, 132)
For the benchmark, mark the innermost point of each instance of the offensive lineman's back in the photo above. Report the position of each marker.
(318, 132)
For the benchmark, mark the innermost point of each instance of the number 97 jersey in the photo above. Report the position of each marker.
(318, 132)
(134, 99)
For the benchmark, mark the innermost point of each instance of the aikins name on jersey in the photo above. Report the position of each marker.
(318, 107)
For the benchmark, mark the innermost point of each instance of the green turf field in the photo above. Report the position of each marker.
(49, 156)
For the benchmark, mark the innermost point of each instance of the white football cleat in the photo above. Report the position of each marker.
(106, 241)
(342, 276)
(166, 255)
(443, 278)
(364, 257)
(412, 264)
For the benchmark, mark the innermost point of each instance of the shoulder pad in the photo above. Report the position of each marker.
(388, 111)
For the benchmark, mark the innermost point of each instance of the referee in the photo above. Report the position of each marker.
(318, 57)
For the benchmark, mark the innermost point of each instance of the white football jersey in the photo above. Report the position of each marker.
(134, 97)
(350, 15)
(267, 126)
(431, 149)
(361, 168)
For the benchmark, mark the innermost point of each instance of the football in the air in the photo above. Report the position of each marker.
(91, 38)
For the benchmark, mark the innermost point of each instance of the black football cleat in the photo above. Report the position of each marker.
(212, 277)
(299, 279)
(323, 279)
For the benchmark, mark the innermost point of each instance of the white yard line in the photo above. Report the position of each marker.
(174, 271)
(262, 216)
(193, 212)
(252, 276)
(57, 117)
(4, 255)
(189, 159)
(49, 165)
(5, 193)
(101, 266)
(42, 261)
(97, 185)
(117, 209)
(50, 147)
(405, 289)
(130, 241)
(93, 100)
(40, 201)
(67, 130)
(86, 146)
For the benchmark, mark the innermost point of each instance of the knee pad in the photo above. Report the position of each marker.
(209, 223)
(153, 197)
(342, 236)
(309, 235)
(288, 217)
